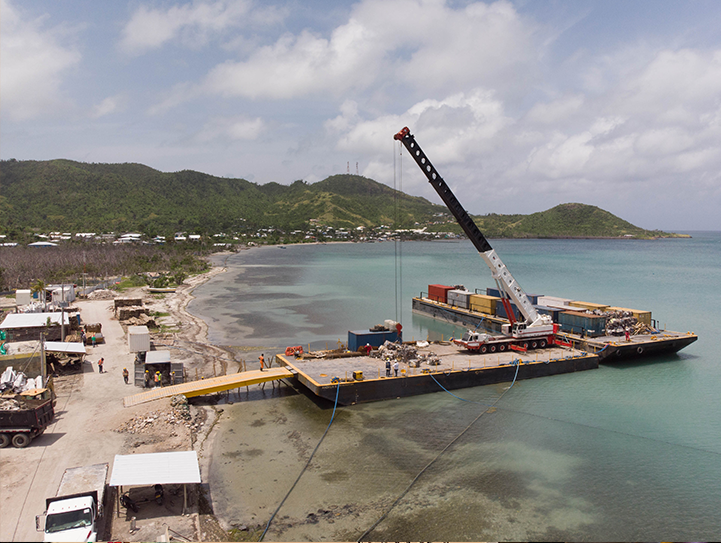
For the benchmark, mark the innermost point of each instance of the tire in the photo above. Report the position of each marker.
(493, 348)
(542, 344)
(21, 440)
(534, 345)
(484, 349)
(4, 440)
(501, 347)
(639, 350)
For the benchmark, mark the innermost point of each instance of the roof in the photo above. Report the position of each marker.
(155, 357)
(165, 468)
(65, 347)
(138, 330)
(32, 320)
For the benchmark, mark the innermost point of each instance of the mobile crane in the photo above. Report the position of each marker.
(536, 331)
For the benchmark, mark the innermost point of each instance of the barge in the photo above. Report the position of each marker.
(609, 348)
(362, 378)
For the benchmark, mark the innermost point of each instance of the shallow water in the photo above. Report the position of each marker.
(625, 452)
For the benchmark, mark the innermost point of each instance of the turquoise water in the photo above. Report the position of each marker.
(626, 452)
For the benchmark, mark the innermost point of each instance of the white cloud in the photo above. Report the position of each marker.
(150, 28)
(109, 105)
(231, 128)
(34, 63)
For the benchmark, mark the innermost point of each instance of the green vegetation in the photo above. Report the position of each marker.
(62, 195)
(562, 221)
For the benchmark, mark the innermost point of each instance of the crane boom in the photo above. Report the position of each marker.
(499, 271)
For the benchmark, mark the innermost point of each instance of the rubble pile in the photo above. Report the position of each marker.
(17, 381)
(405, 353)
(618, 322)
(179, 413)
(101, 294)
(9, 405)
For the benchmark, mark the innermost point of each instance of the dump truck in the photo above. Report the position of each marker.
(74, 512)
(22, 419)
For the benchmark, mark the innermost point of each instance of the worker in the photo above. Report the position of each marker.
(147, 379)
(172, 377)
(158, 379)
(628, 336)
(100, 365)
(125, 375)
(388, 368)
(262, 362)
(395, 367)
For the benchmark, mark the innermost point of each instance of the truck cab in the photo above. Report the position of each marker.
(71, 518)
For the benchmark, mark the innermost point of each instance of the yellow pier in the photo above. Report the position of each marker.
(209, 386)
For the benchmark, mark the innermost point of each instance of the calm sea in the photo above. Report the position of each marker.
(626, 452)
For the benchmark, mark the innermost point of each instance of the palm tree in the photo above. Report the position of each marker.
(39, 287)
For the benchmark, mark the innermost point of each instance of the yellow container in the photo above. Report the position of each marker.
(589, 305)
(642, 316)
(358, 375)
(483, 303)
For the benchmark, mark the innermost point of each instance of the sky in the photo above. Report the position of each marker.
(520, 105)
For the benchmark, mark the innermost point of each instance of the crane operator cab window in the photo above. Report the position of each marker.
(519, 326)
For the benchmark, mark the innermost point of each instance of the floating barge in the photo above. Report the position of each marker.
(608, 348)
(358, 378)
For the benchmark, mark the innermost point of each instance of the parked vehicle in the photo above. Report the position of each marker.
(73, 514)
(22, 419)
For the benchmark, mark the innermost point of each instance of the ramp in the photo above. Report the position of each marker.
(209, 386)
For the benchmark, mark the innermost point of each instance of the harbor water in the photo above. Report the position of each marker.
(626, 452)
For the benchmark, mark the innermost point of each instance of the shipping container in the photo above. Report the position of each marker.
(359, 338)
(642, 316)
(554, 302)
(483, 303)
(138, 339)
(439, 293)
(533, 298)
(459, 298)
(501, 311)
(589, 305)
(583, 324)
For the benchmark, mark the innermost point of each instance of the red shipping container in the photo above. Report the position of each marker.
(439, 293)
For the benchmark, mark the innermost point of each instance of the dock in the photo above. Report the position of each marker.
(456, 369)
(210, 386)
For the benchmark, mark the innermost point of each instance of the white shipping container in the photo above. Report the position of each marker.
(23, 297)
(138, 339)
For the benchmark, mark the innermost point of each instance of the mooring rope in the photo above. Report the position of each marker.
(413, 482)
(337, 392)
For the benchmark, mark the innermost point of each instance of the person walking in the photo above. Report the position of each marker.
(262, 362)
(388, 368)
(125, 375)
(395, 367)
(100, 365)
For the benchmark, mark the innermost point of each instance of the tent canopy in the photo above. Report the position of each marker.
(155, 468)
(33, 320)
(68, 347)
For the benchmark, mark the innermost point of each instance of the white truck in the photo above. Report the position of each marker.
(73, 514)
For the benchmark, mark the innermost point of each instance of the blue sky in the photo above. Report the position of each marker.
(520, 105)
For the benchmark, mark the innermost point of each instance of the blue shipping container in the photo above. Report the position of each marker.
(374, 339)
(533, 298)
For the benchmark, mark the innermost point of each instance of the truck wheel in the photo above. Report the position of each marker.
(533, 344)
(4, 440)
(501, 347)
(484, 349)
(21, 441)
(543, 343)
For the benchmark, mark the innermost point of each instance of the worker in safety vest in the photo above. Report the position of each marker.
(262, 362)
(158, 379)
(125, 375)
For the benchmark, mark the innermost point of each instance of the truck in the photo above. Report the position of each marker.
(537, 330)
(22, 419)
(74, 512)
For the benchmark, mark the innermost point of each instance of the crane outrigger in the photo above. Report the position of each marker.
(536, 330)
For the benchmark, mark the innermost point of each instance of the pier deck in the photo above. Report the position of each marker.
(209, 386)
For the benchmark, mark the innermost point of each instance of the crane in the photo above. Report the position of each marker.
(536, 330)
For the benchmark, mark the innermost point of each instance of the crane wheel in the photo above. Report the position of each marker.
(484, 349)
(493, 348)
(534, 345)
(543, 343)
(501, 347)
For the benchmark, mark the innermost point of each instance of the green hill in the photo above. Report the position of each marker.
(68, 196)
